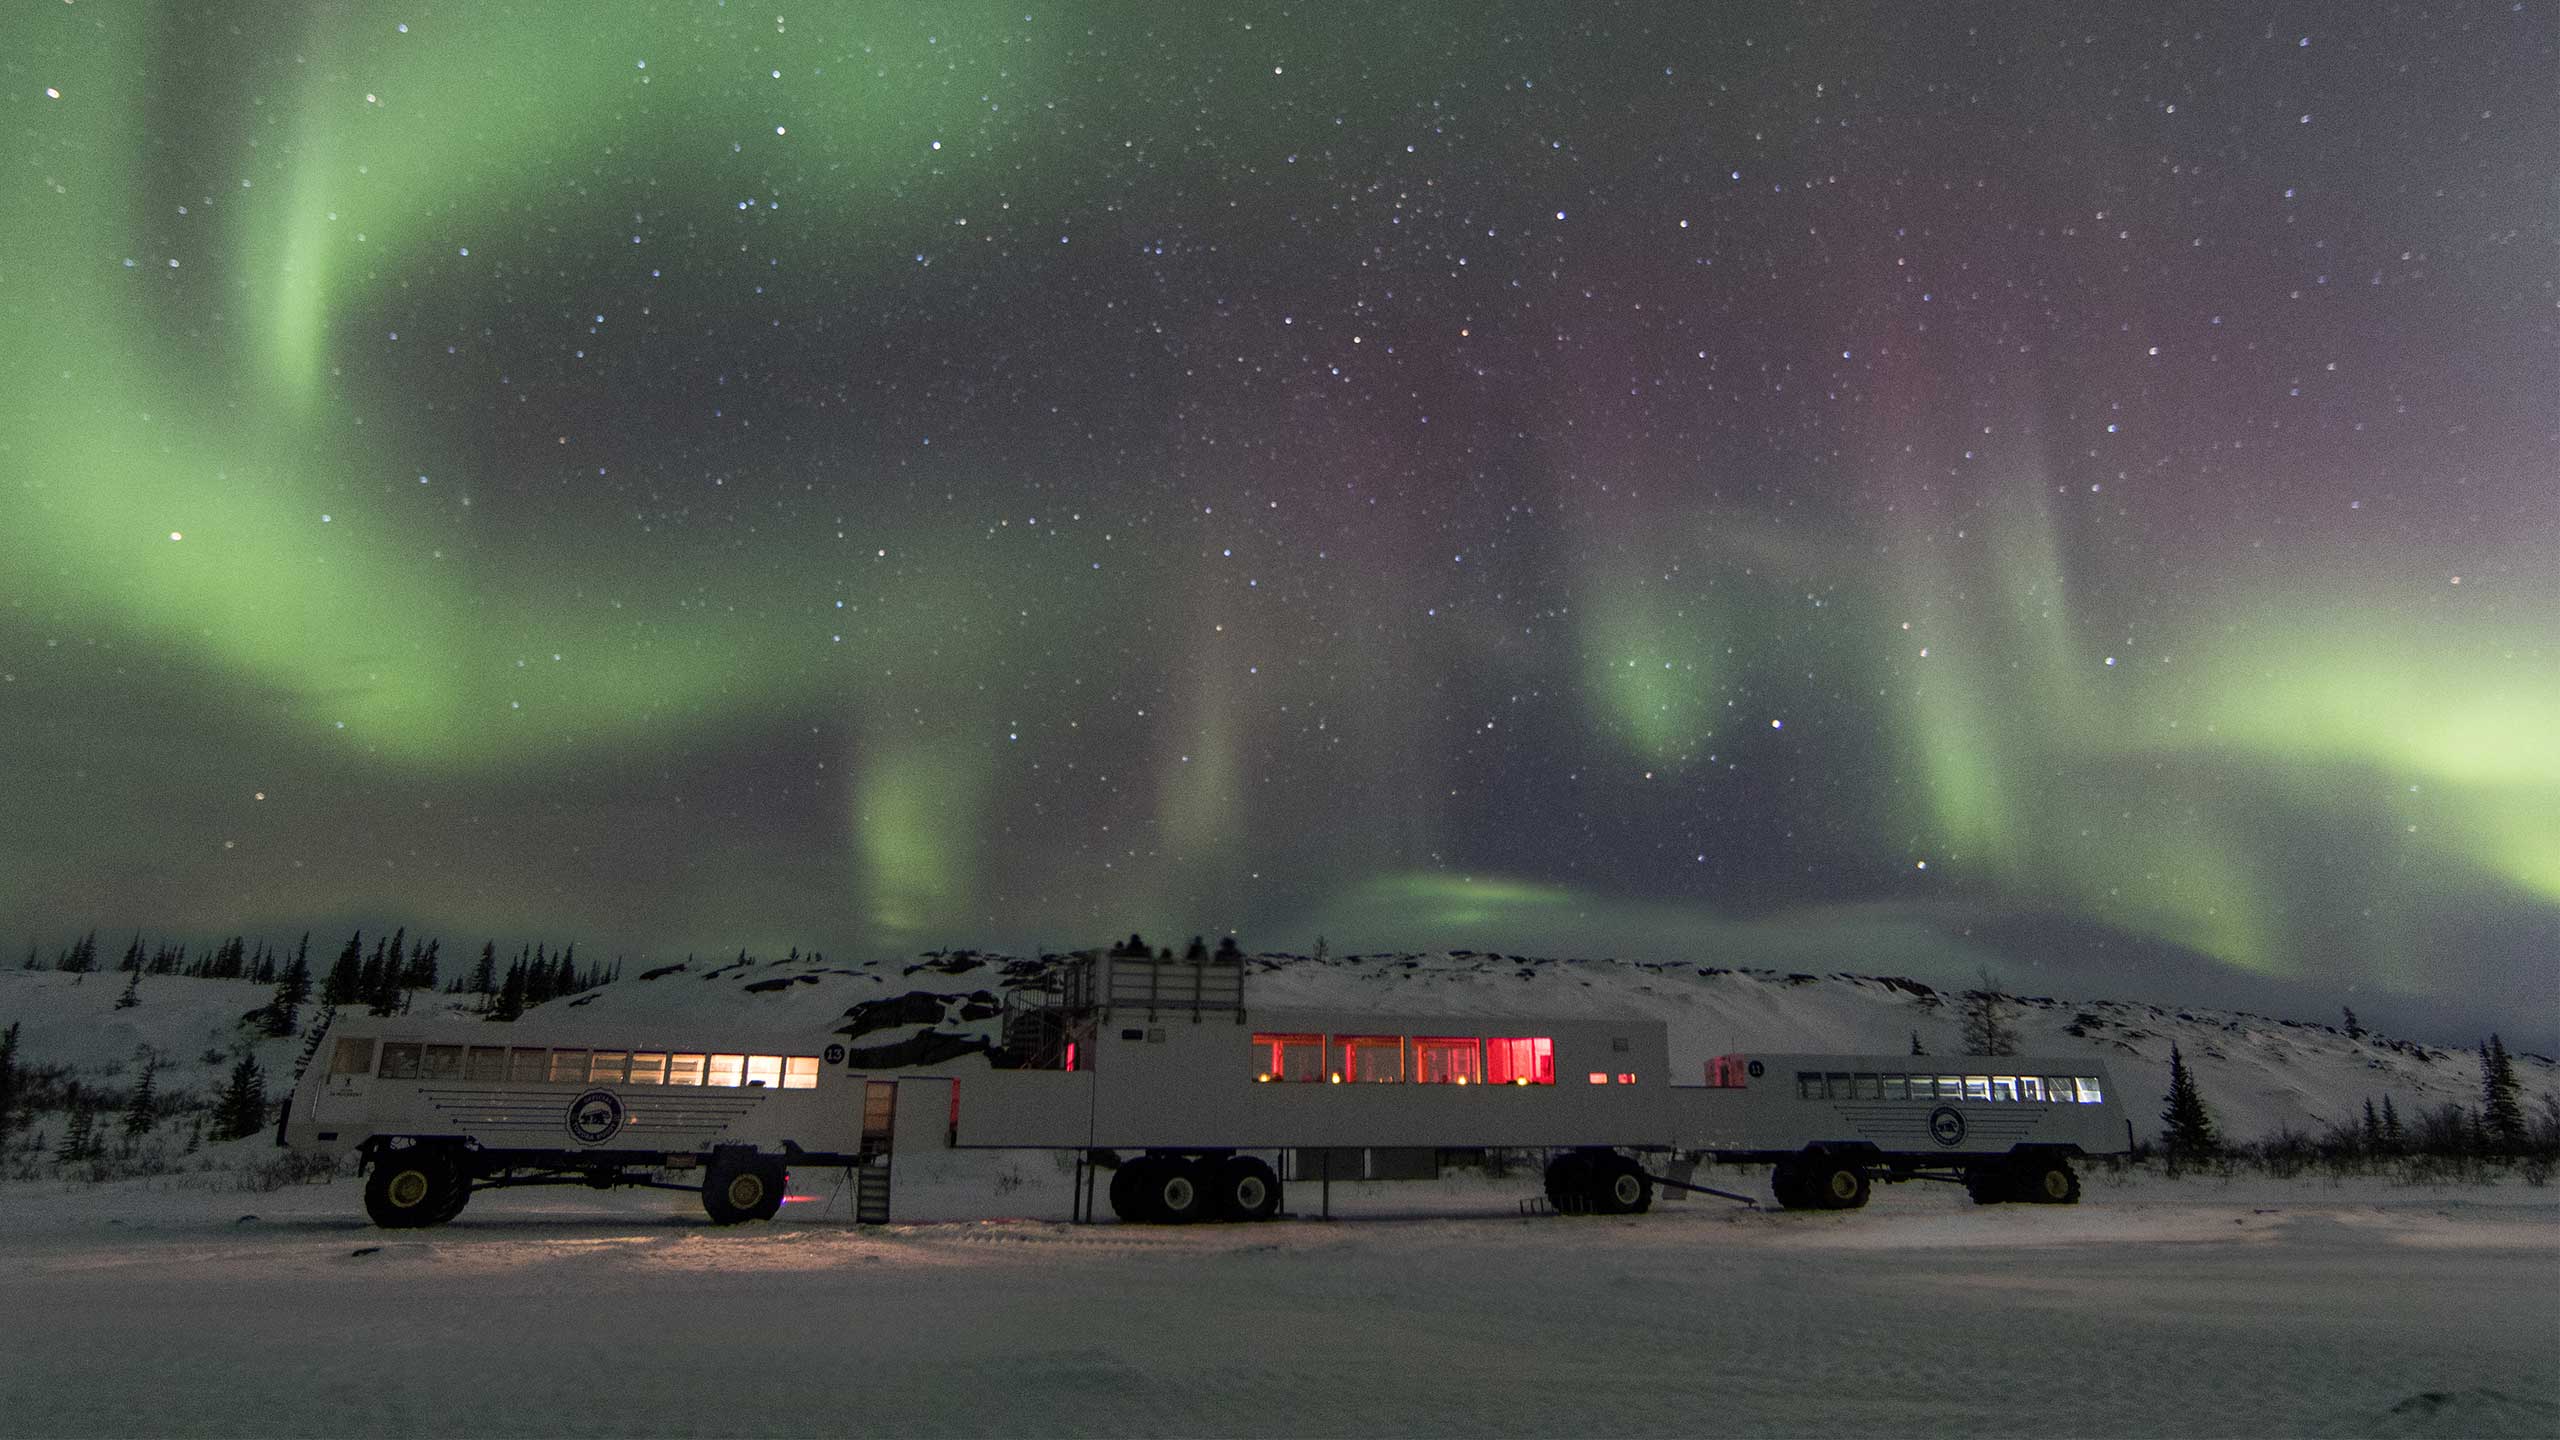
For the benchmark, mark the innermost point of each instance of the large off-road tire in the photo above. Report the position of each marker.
(1619, 1186)
(1990, 1184)
(410, 1188)
(1839, 1185)
(1792, 1186)
(1181, 1191)
(1569, 1182)
(1246, 1189)
(460, 1196)
(2049, 1182)
(738, 1191)
(1129, 1191)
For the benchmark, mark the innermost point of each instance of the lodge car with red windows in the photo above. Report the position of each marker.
(1156, 1071)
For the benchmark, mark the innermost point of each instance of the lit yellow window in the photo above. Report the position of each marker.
(2089, 1090)
(765, 1071)
(1455, 1060)
(1289, 1057)
(727, 1071)
(2004, 1087)
(1367, 1059)
(647, 1068)
(569, 1067)
(609, 1066)
(800, 1072)
(684, 1069)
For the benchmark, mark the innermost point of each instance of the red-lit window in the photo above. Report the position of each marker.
(1071, 1054)
(1447, 1061)
(1367, 1059)
(1626, 1079)
(1729, 1072)
(1527, 1060)
(1599, 1077)
(1290, 1057)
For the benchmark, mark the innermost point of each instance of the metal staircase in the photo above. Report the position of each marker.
(871, 1178)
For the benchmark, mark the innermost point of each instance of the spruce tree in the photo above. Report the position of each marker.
(2372, 1126)
(132, 993)
(2354, 1030)
(2393, 1136)
(2189, 1130)
(1987, 1026)
(76, 1139)
(242, 1110)
(8, 1081)
(484, 976)
(133, 959)
(2501, 1111)
(284, 1008)
(143, 1106)
(510, 1002)
(1198, 951)
(345, 983)
(1915, 1044)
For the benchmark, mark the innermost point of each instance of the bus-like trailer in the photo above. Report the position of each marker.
(1198, 1108)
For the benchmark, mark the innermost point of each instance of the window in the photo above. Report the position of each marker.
(353, 1057)
(684, 1069)
(524, 1067)
(1835, 1084)
(568, 1067)
(727, 1071)
(487, 1062)
(442, 1062)
(1367, 1059)
(1525, 1061)
(1896, 1088)
(648, 1068)
(2004, 1087)
(607, 1067)
(1599, 1077)
(765, 1070)
(1624, 1078)
(1977, 1087)
(1870, 1087)
(399, 1060)
(1950, 1087)
(2030, 1087)
(1808, 1084)
(1447, 1060)
(1922, 1087)
(1290, 1057)
(1728, 1072)
(2089, 1090)
(800, 1072)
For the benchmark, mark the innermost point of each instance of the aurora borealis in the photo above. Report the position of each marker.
(1882, 489)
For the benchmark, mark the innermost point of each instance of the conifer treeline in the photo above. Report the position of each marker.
(382, 979)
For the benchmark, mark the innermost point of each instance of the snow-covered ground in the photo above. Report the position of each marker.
(194, 1303)
(2157, 1307)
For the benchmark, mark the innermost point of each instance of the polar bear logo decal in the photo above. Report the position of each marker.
(595, 1117)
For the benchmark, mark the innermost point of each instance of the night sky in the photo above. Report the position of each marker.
(2063, 489)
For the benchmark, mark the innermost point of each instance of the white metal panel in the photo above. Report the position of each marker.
(1027, 1108)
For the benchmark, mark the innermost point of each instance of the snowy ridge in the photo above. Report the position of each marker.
(943, 1009)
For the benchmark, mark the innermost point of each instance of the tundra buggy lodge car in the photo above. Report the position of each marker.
(1157, 1071)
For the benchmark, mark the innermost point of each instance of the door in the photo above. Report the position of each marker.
(879, 1113)
(347, 1082)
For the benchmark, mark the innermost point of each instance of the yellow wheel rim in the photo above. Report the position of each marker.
(408, 1189)
(746, 1190)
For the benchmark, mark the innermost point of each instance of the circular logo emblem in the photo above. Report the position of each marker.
(835, 1054)
(1757, 1069)
(1946, 1126)
(595, 1117)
